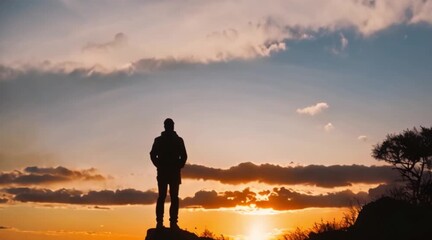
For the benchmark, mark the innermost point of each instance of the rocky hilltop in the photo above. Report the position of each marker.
(168, 234)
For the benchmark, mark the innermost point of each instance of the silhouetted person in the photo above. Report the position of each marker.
(169, 156)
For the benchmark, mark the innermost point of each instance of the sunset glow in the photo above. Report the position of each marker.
(257, 231)
(279, 104)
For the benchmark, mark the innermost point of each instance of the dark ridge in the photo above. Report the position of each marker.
(385, 219)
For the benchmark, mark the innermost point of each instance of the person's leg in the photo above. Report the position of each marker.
(162, 189)
(174, 208)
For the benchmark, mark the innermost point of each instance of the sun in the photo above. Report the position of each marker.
(257, 231)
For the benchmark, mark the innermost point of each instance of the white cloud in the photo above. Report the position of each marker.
(344, 41)
(329, 127)
(343, 44)
(362, 138)
(204, 31)
(314, 109)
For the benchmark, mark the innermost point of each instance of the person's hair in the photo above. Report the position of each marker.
(169, 124)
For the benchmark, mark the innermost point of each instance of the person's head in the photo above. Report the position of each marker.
(169, 124)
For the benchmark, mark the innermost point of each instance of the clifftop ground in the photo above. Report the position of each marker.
(168, 234)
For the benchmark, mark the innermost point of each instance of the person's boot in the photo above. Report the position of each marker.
(159, 225)
(174, 226)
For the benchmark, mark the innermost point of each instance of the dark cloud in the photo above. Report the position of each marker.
(286, 199)
(120, 39)
(37, 175)
(278, 199)
(211, 199)
(3, 200)
(86, 174)
(316, 175)
(72, 196)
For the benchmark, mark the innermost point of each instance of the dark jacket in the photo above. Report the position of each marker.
(169, 156)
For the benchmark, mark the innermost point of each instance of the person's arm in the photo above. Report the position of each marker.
(183, 153)
(154, 153)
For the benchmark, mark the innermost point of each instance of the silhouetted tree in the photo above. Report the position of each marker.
(410, 152)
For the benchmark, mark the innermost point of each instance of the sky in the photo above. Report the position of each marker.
(279, 104)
